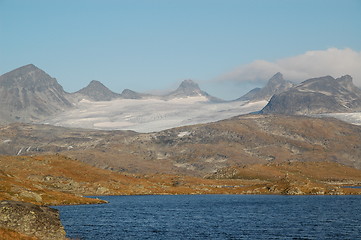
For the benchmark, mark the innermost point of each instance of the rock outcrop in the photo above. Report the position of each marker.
(32, 220)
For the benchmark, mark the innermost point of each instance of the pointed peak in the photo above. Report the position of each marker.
(188, 84)
(277, 77)
(29, 67)
(24, 70)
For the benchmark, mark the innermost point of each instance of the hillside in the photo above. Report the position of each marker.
(54, 179)
(195, 150)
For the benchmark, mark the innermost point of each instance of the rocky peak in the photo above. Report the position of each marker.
(278, 77)
(275, 84)
(130, 94)
(28, 93)
(317, 95)
(189, 85)
(346, 81)
(96, 91)
(95, 83)
(188, 88)
(29, 77)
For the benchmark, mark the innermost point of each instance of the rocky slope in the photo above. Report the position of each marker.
(317, 95)
(275, 85)
(195, 150)
(96, 91)
(28, 94)
(31, 220)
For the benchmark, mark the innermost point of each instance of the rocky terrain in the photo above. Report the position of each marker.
(31, 220)
(296, 178)
(275, 85)
(317, 95)
(194, 150)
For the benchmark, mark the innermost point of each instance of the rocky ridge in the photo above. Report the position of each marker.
(317, 95)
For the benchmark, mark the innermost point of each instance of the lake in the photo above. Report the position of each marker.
(215, 217)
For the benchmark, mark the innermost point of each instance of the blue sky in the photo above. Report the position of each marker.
(146, 45)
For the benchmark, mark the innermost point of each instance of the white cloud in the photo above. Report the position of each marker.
(333, 61)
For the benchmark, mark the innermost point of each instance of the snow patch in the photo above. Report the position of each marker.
(182, 134)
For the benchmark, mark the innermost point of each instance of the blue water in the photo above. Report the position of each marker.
(216, 217)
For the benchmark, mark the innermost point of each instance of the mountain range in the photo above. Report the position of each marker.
(28, 94)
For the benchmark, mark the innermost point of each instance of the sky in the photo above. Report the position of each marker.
(227, 46)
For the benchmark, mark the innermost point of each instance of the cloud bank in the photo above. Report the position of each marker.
(333, 61)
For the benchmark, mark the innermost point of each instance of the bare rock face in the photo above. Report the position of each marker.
(317, 95)
(29, 94)
(32, 220)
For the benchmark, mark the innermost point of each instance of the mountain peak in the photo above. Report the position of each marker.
(278, 77)
(317, 95)
(275, 84)
(29, 93)
(97, 91)
(188, 88)
(95, 83)
(130, 94)
(28, 67)
(28, 77)
(189, 84)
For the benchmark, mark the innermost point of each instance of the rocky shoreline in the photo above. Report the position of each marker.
(39, 222)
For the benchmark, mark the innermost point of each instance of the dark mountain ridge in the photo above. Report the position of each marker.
(317, 95)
